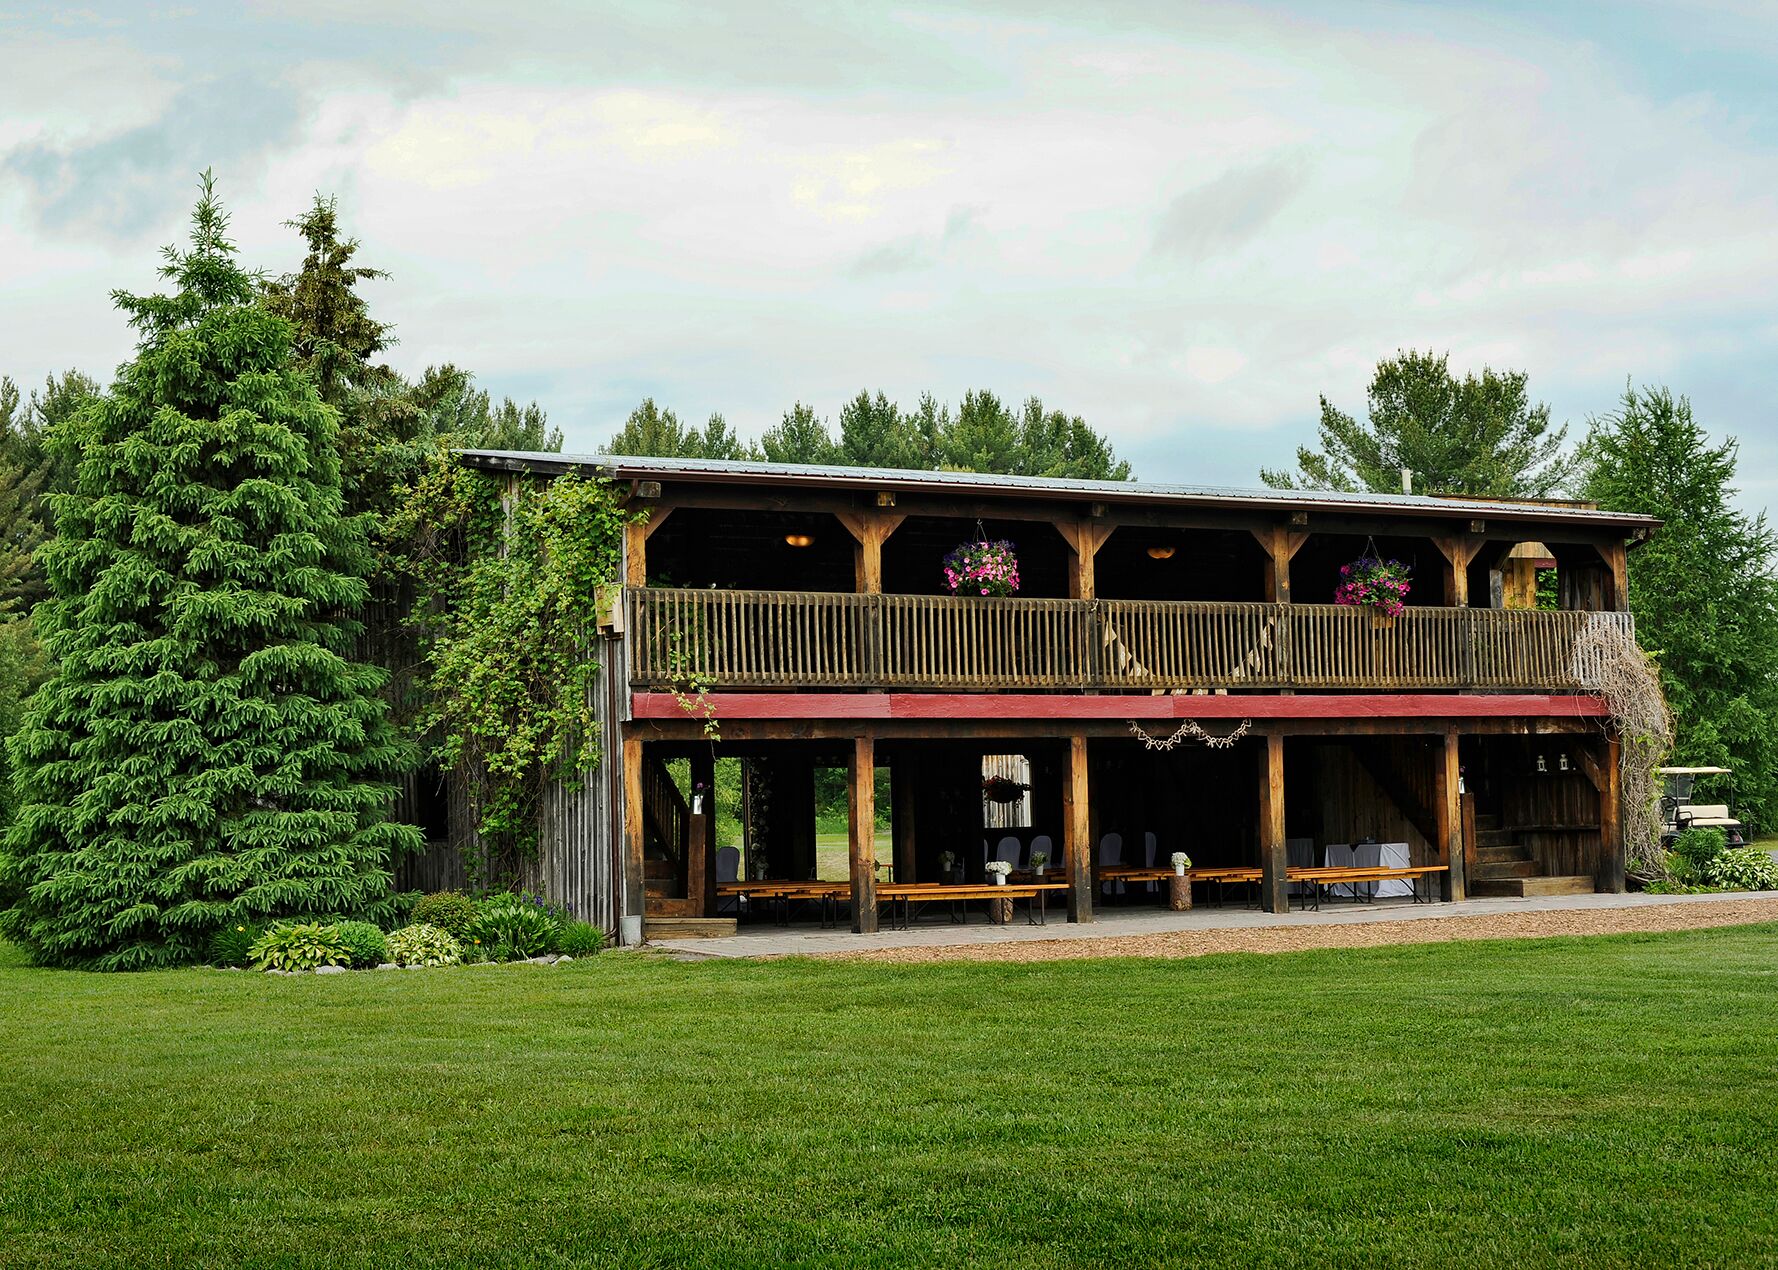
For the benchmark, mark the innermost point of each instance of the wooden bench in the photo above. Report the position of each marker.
(780, 892)
(1318, 879)
(903, 896)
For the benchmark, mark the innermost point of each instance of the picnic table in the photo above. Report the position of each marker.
(902, 897)
(781, 892)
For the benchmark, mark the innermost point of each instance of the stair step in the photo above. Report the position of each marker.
(1493, 855)
(658, 869)
(1487, 820)
(687, 927)
(1490, 869)
(659, 890)
(1576, 884)
(1493, 838)
(670, 906)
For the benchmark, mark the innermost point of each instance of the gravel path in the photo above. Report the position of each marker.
(1197, 943)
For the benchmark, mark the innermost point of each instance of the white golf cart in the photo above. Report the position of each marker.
(1679, 812)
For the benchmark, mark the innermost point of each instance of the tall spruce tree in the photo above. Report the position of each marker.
(1704, 589)
(204, 751)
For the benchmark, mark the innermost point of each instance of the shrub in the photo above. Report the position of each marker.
(364, 944)
(580, 939)
(423, 945)
(1743, 869)
(233, 944)
(517, 926)
(451, 911)
(299, 946)
(1698, 847)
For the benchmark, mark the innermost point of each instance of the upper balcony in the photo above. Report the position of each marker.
(789, 639)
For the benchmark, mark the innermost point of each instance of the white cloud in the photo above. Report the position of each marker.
(1190, 221)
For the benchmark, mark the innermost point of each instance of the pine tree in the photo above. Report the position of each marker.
(802, 437)
(1475, 435)
(204, 750)
(384, 436)
(873, 433)
(1702, 588)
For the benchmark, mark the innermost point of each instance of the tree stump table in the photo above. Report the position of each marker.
(1000, 910)
(1179, 892)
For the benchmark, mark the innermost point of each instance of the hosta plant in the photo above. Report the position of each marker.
(299, 946)
(423, 945)
(1743, 869)
(364, 943)
(518, 926)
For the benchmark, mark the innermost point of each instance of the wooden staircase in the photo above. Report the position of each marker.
(1504, 867)
(668, 913)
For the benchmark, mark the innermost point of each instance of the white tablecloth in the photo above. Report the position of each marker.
(1395, 856)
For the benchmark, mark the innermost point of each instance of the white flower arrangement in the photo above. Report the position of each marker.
(947, 861)
(1180, 861)
(998, 869)
(1039, 861)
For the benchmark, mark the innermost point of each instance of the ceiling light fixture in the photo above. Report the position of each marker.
(1160, 553)
(800, 540)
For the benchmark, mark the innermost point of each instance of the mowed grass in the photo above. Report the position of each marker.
(1607, 1101)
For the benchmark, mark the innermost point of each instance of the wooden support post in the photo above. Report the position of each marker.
(636, 535)
(1449, 812)
(700, 838)
(1274, 888)
(861, 808)
(635, 899)
(1617, 565)
(1611, 820)
(869, 531)
(1084, 540)
(1077, 842)
(1458, 552)
(1280, 544)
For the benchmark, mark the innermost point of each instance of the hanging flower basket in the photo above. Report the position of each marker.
(1376, 584)
(998, 789)
(982, 568)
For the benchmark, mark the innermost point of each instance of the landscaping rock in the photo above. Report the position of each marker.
(562, 961)
(548, 959)
(330, 970)
(273, 970)
(388, 965)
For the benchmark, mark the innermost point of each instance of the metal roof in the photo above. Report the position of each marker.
(738, 472)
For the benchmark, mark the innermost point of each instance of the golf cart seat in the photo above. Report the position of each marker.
(1707, 816)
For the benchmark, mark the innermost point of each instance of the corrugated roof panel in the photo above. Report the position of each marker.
(742, 472)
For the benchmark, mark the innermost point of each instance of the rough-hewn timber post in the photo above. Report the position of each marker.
(1611, 820)
(861, 808)
(1274, 887)
(1448, 816)
(1077, 844)
(635, 900)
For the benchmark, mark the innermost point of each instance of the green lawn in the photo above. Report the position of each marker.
(1611, 1101)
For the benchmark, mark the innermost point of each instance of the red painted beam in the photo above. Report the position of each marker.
(1016, 705)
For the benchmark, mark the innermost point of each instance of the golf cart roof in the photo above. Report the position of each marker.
(1693, 771)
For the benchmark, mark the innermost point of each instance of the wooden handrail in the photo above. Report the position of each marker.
(760, 639)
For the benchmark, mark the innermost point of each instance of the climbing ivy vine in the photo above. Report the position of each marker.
(508, 574)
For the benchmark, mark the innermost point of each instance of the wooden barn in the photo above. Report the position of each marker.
(1173, 674)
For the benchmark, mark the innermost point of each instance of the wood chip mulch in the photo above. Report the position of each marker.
(1277, 939)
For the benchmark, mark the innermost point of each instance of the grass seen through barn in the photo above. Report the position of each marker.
(1605, 1101)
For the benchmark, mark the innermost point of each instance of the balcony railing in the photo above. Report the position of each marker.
(759, 639)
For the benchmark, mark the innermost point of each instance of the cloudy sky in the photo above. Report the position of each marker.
(1183, 221)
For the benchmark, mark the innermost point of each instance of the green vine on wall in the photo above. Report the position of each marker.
(507, 580)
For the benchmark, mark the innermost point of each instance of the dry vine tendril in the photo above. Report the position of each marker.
(1192, 730)
(1610, 664)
